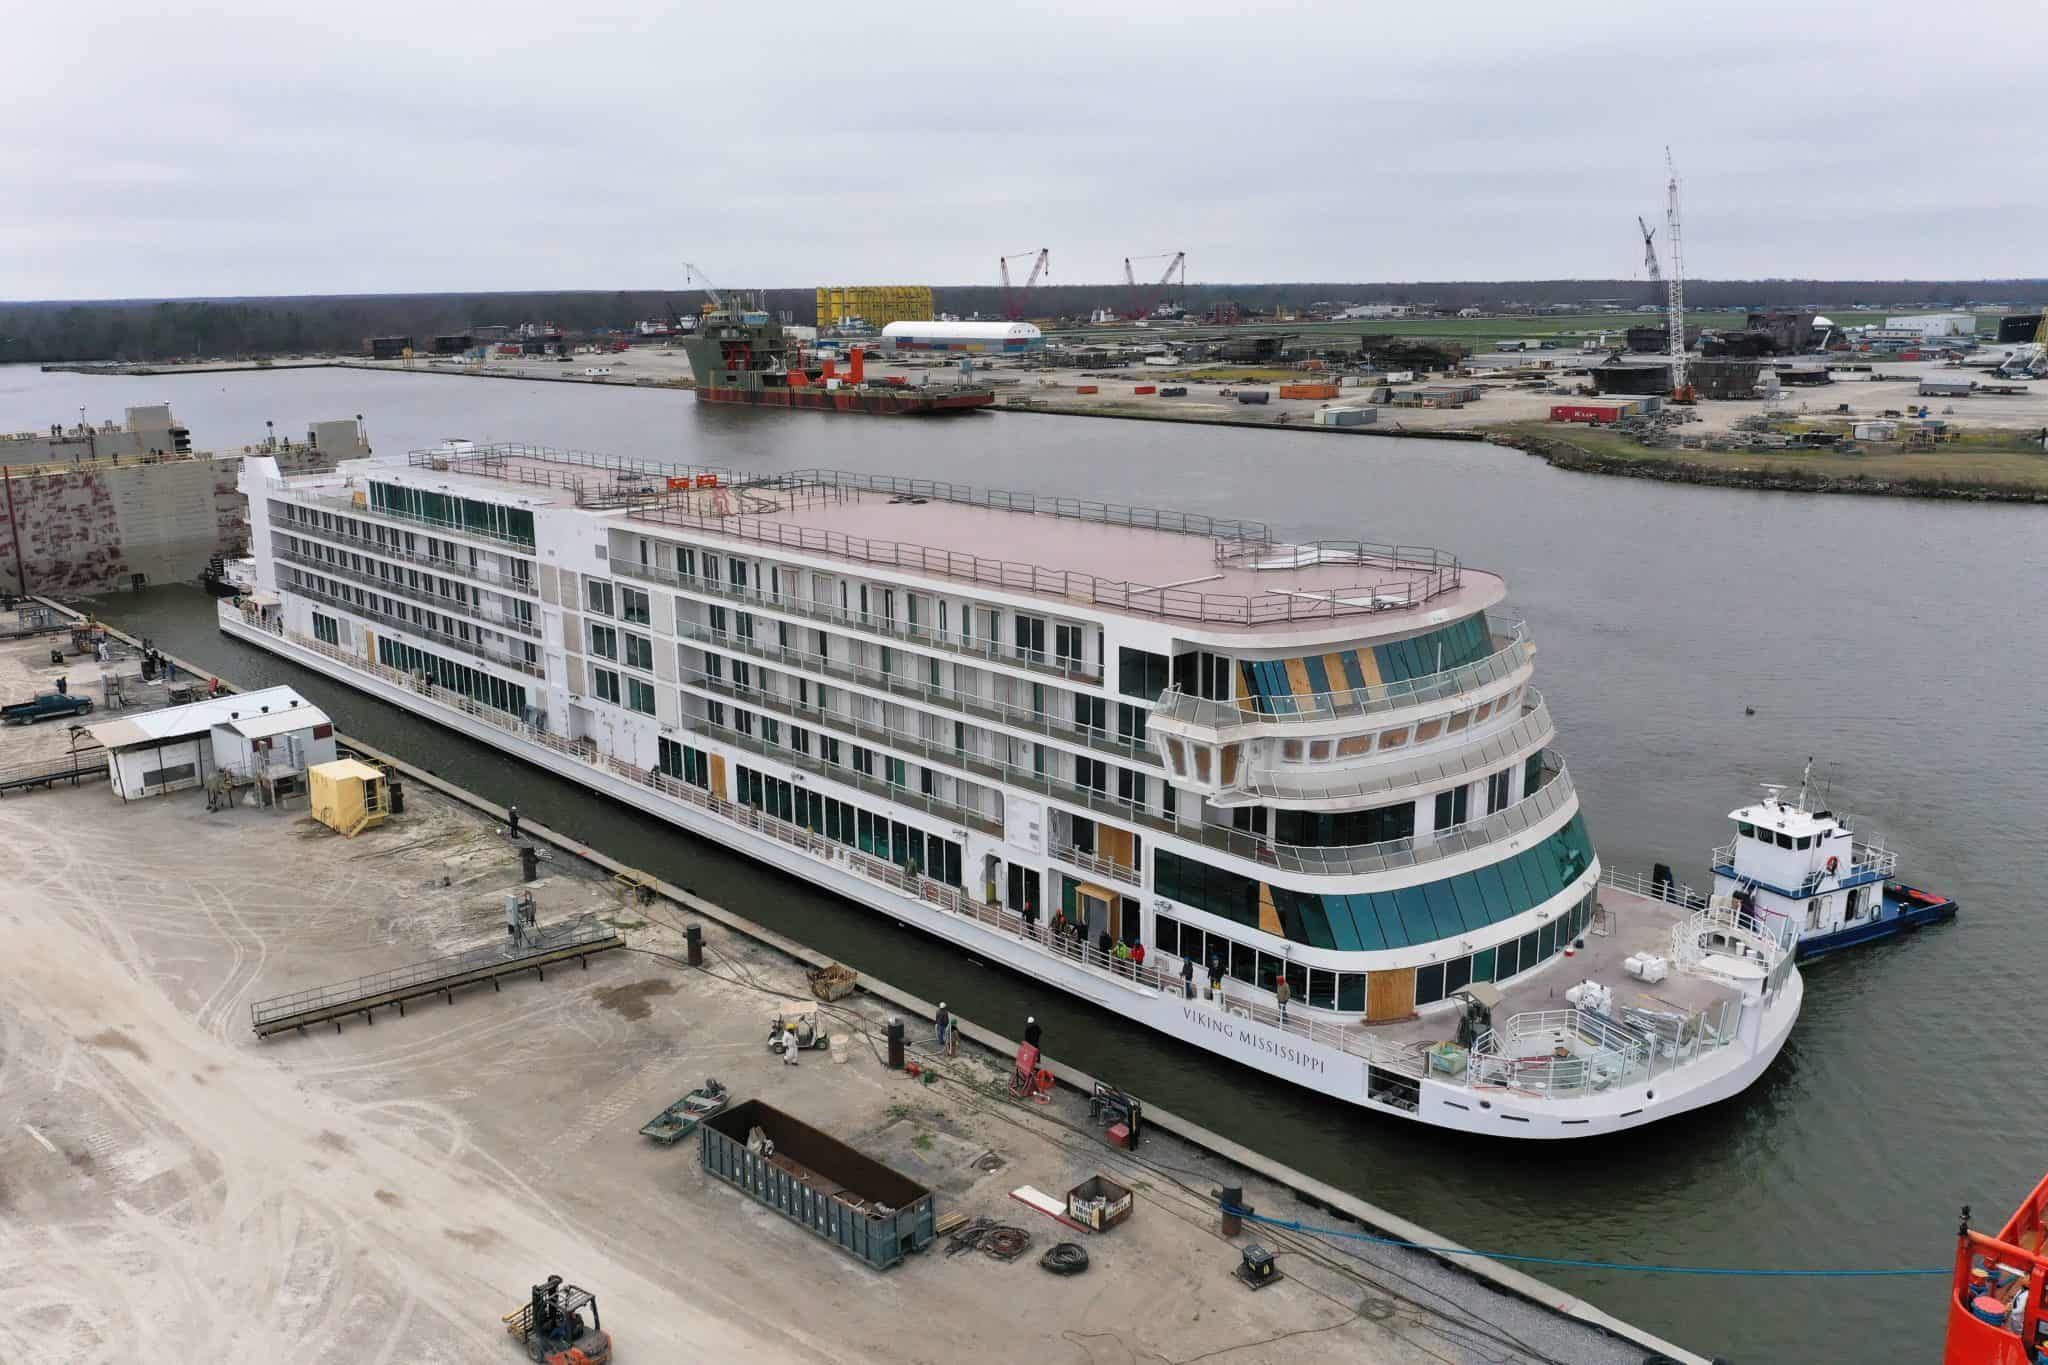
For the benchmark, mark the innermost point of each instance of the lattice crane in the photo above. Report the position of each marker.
(1650, 251)
(1681, 392)
(1013, 297)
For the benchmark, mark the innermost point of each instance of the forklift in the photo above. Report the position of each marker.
(552, 1330)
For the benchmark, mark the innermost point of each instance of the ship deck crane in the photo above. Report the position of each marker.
(692, 271)
(1013, 297)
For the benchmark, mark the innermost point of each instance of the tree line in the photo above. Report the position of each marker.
(163, 329)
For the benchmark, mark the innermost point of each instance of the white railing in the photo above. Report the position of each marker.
(1557, 1052)
(1638, 884)
(308, 529)
(474, 647)
(868, 623)
(1297, 782)
(949, 701)
(1865, 860)
(1100, 867)
(1721, 930)
(473, 609)
(1514, 653)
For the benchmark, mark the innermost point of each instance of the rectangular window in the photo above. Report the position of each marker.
(1497, 790)
(1067, 647)
(1451, 807)
(895, 772)
(605, 685)
(1091, 713)
(1091, 773)
(604, 641)
(1130, 723)
(598, 596)
(1429, 984)
(864, 761)
(640, 696)
(1130, 786)
(1030, 636)
(639, 652)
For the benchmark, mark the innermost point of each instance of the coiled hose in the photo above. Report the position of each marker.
(1067, 1258)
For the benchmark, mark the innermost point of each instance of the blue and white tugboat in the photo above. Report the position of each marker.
(1807, 866)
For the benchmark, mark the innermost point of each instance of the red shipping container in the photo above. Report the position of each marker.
(1087, 388)
(1585, 412)
(1145, 388)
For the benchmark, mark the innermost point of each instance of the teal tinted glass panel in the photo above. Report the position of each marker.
(1443, 908)
(1413, 905)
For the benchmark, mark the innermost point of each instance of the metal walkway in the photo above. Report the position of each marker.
(577, 940)
(47, 772)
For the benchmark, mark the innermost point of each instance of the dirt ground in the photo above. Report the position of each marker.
(173, 1189)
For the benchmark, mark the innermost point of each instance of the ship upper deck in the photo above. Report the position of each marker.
(1144, 561)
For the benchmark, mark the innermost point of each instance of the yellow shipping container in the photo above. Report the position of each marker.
(348, 796)
(876, 304)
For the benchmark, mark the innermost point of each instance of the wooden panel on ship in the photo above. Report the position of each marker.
(1389, 995)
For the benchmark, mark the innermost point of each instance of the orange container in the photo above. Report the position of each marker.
(1087, 388)
(1308, 390)
(1145, 388)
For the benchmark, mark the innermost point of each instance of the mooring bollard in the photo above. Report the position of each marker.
(693, 935)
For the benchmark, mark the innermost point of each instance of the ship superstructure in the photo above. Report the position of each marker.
(1117, 749)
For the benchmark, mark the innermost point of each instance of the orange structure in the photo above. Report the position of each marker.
(1995, 1301)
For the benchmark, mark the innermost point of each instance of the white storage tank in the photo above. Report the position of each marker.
(972, 338)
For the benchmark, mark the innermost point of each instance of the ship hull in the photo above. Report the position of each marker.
(881, 402)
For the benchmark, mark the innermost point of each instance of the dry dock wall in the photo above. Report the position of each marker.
(91, 527)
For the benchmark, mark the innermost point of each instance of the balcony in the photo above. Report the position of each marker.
(846, 776)
(472, 610)
(1331, 782)
(921, 637)
(474, 648)
(484, 573)
(341, 503)
(1217, 719)
(1099, 867)
(942, 699)
(1552, 794)
(933, 754)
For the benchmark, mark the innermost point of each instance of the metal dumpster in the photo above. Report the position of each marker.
(811, 1178)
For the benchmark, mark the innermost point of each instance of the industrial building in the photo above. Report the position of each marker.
(1616, 375)
(877, 305)
(90, 509)
(1934, 324)
(972, 338)
(267, 738)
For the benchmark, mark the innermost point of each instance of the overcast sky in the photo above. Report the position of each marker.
(300, 147)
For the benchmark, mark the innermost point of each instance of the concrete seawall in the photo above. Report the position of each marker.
(1371, 1218)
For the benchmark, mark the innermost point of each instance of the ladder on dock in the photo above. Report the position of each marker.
(577, 940)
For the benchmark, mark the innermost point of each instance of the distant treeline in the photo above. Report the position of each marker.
(147, 329)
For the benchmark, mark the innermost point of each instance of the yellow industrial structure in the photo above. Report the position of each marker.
(348, 796)
(878, 305)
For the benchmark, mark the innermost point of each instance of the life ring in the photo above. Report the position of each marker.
(1833, 863)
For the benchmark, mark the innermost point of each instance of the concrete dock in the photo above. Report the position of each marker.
(173, 1188)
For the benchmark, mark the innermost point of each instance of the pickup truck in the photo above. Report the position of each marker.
(44, 707)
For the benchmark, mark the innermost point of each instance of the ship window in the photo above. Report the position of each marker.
(1176, 757)
(1505, 962)
(599, 596)
(604, 641)
(1546, 941)
(1395, 738)
(607, 685)
(1140, 673)
(1319, 751)
(1429, 984)
(1166, 934)
(1805, 841)
(1457, 974)
(1322, 988)
(1351, 991)
(1784, 839)
(1201, 762)
(1290, 750)
(1747, 831)
(1428, 730)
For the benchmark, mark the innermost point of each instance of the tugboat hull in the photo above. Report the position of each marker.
(1906, 909)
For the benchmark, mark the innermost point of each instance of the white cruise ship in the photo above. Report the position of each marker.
(998, 717)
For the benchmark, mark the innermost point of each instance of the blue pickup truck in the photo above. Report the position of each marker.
(45, 707)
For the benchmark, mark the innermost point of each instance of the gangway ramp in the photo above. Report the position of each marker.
(48, 772)
(576, 940)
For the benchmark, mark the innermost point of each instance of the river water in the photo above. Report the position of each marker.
(1893, 640)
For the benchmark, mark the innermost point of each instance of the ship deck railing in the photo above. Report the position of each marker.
(345, 501)
(1299, 782)
(965, 646)
(1422, 573)
(472, 609)
(1513, 652)
(1866, 862)
(949, 701)
(453, 568)
(472, 646)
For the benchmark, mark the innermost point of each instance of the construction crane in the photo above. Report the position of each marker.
(1681, 392)
(696, 272)
(1013, 297)
(1650, 251)
(1143, 304)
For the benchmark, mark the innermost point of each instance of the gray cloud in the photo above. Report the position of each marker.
(263, 148)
